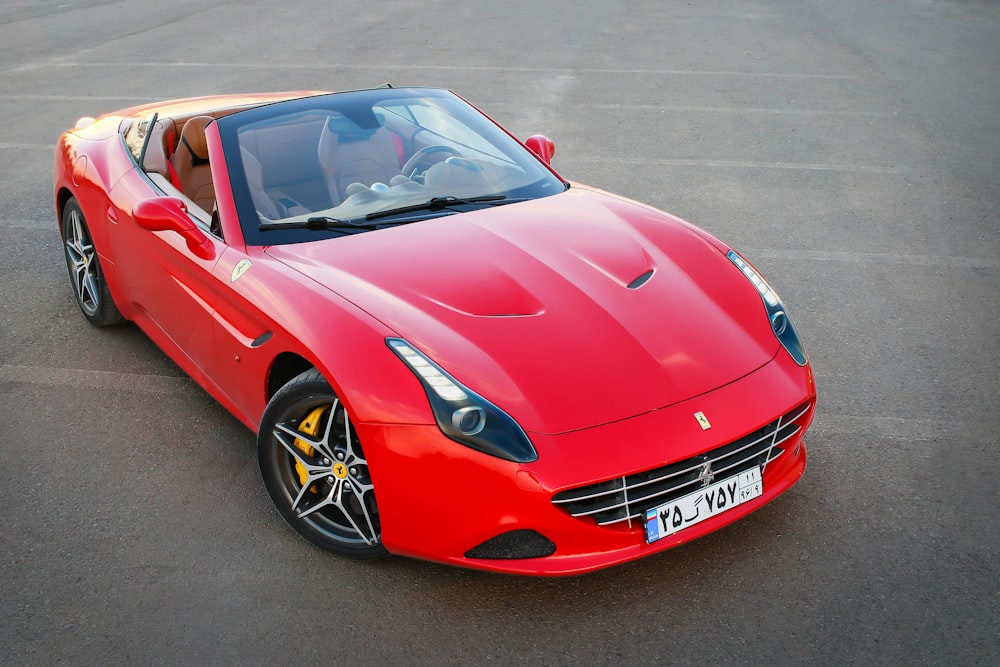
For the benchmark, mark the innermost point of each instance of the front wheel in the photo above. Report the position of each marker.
(315, 469)
(85, 274)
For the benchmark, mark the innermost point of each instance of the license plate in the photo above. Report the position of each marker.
(703, 504)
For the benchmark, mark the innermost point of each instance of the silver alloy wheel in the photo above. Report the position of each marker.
(83, 269)
(324, 473)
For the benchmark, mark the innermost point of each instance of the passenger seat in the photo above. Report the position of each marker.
(190, 162)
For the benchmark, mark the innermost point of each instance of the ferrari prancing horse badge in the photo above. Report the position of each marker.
(703, 421)
(241, 267)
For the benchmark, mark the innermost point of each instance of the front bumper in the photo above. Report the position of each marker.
(439, 500)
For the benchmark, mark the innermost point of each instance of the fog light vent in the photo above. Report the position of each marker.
(512, 545)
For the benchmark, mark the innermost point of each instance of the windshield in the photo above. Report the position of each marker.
(332, 164)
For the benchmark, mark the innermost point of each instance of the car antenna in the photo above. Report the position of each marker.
(384, 85)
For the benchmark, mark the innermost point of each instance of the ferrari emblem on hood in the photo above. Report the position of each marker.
(703, 421)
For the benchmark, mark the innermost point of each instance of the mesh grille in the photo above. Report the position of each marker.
(628, 497)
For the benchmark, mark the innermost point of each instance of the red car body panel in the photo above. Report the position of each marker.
(508, 496)
(538, 299)
(541, 321)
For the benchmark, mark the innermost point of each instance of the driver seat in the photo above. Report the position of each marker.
(350, 154)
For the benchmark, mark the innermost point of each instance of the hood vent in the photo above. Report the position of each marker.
(640, 280)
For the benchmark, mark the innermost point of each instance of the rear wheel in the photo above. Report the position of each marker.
(85, 274)
(315, 469)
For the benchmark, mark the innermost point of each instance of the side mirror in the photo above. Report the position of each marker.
(541, 146)
(169, 214)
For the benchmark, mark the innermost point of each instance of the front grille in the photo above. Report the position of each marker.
(628, 497)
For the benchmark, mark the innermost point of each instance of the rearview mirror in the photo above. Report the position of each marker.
(541, 146)
(169, 214)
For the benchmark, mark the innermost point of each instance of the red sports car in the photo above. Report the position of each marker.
(447, 351)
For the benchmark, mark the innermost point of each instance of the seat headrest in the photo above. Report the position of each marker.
(193, 136)
(162, 143)
(348, 131)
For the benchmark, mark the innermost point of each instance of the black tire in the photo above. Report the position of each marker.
(315, 470)
(85, 274)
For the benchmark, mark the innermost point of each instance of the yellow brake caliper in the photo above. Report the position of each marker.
(309, 426)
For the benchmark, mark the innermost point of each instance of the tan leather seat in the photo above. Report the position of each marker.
(350, 154)
(162, 142)
(190, 162)
(273, 204)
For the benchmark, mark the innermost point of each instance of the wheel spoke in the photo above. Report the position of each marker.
(331, 499)
(76, 256)
(88, 290)
(284, 432)
(298, 498)
(335, 498)
(370, 536)
(326, 444)
(354, 461)
(313, 468)
(353, 458)
(360, 488)
(349, 442)
(79, 279)
(314, 471)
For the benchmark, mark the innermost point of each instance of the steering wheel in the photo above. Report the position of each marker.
(424, 159)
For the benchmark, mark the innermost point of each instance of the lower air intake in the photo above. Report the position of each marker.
(513, 545)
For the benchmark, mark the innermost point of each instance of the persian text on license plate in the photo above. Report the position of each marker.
(702, 504)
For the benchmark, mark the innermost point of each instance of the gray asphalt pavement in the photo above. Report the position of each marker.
(851, 149)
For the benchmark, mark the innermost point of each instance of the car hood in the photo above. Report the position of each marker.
(569, 311)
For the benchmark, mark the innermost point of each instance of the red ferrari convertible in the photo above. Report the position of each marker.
(447, 351)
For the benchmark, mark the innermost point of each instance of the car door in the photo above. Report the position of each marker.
(170, 286)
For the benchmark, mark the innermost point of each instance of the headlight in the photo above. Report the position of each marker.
(780, 323)
(463, 415)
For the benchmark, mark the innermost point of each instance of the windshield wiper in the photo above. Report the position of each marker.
(433, 204)
(318, 222)
(438, 204)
